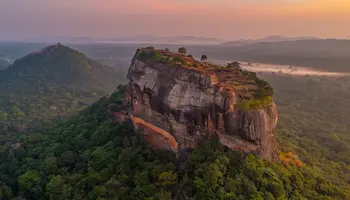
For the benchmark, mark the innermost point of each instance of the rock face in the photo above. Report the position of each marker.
(179, 106)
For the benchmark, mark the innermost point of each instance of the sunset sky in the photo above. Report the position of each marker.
(226, 19)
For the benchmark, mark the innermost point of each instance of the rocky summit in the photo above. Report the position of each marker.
(179, 102)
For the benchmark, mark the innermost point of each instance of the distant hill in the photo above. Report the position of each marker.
(54, 81)
(273, 38)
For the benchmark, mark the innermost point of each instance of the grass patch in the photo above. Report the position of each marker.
(253, 104)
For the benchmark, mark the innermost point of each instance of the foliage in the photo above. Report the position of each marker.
(179, 59)
(157, 56)
(214, 172)
(264, 89)
(234, 65)
(263, 93)
(55, 81)
(182, 50)
(253, 104)
(89, 156)
(204, 58)
(314, 122)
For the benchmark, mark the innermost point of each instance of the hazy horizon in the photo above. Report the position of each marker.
(222, 19)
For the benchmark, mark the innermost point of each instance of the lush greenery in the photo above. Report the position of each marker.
(313, 111)
(182, 50)
(262, 96)
(264, 90)
(234, 65)
(314, 122)
(89, 156)
(215, 173)
(157, 56)
(253, 104)
(204, 58)
(53, 82)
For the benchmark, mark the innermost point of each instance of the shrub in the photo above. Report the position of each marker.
(204, 58)
(234, 65)
(182, 50)
(179, 59)
(142, 55)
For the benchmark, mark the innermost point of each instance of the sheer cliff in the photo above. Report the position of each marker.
(179, 101)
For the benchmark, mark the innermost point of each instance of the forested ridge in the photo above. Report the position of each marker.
(90, 156)
(54, 81)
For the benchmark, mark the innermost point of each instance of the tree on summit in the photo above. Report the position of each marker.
(234, 65)
(182, 50)
(204, 58)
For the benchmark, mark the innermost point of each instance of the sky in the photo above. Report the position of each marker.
(224, 19)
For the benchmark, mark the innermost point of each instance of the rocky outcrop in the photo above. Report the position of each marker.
(178, 106)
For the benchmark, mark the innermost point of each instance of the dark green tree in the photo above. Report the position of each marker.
(204, 58)
(182, 50)
(234, 65)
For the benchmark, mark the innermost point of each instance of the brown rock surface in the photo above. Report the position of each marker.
(178, 106)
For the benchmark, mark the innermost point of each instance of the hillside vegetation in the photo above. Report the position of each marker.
(52, 82)
(314, 122)
(90, 156)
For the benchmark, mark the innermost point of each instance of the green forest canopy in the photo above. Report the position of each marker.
(90, 156)
(53, 82)
(314, 126)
